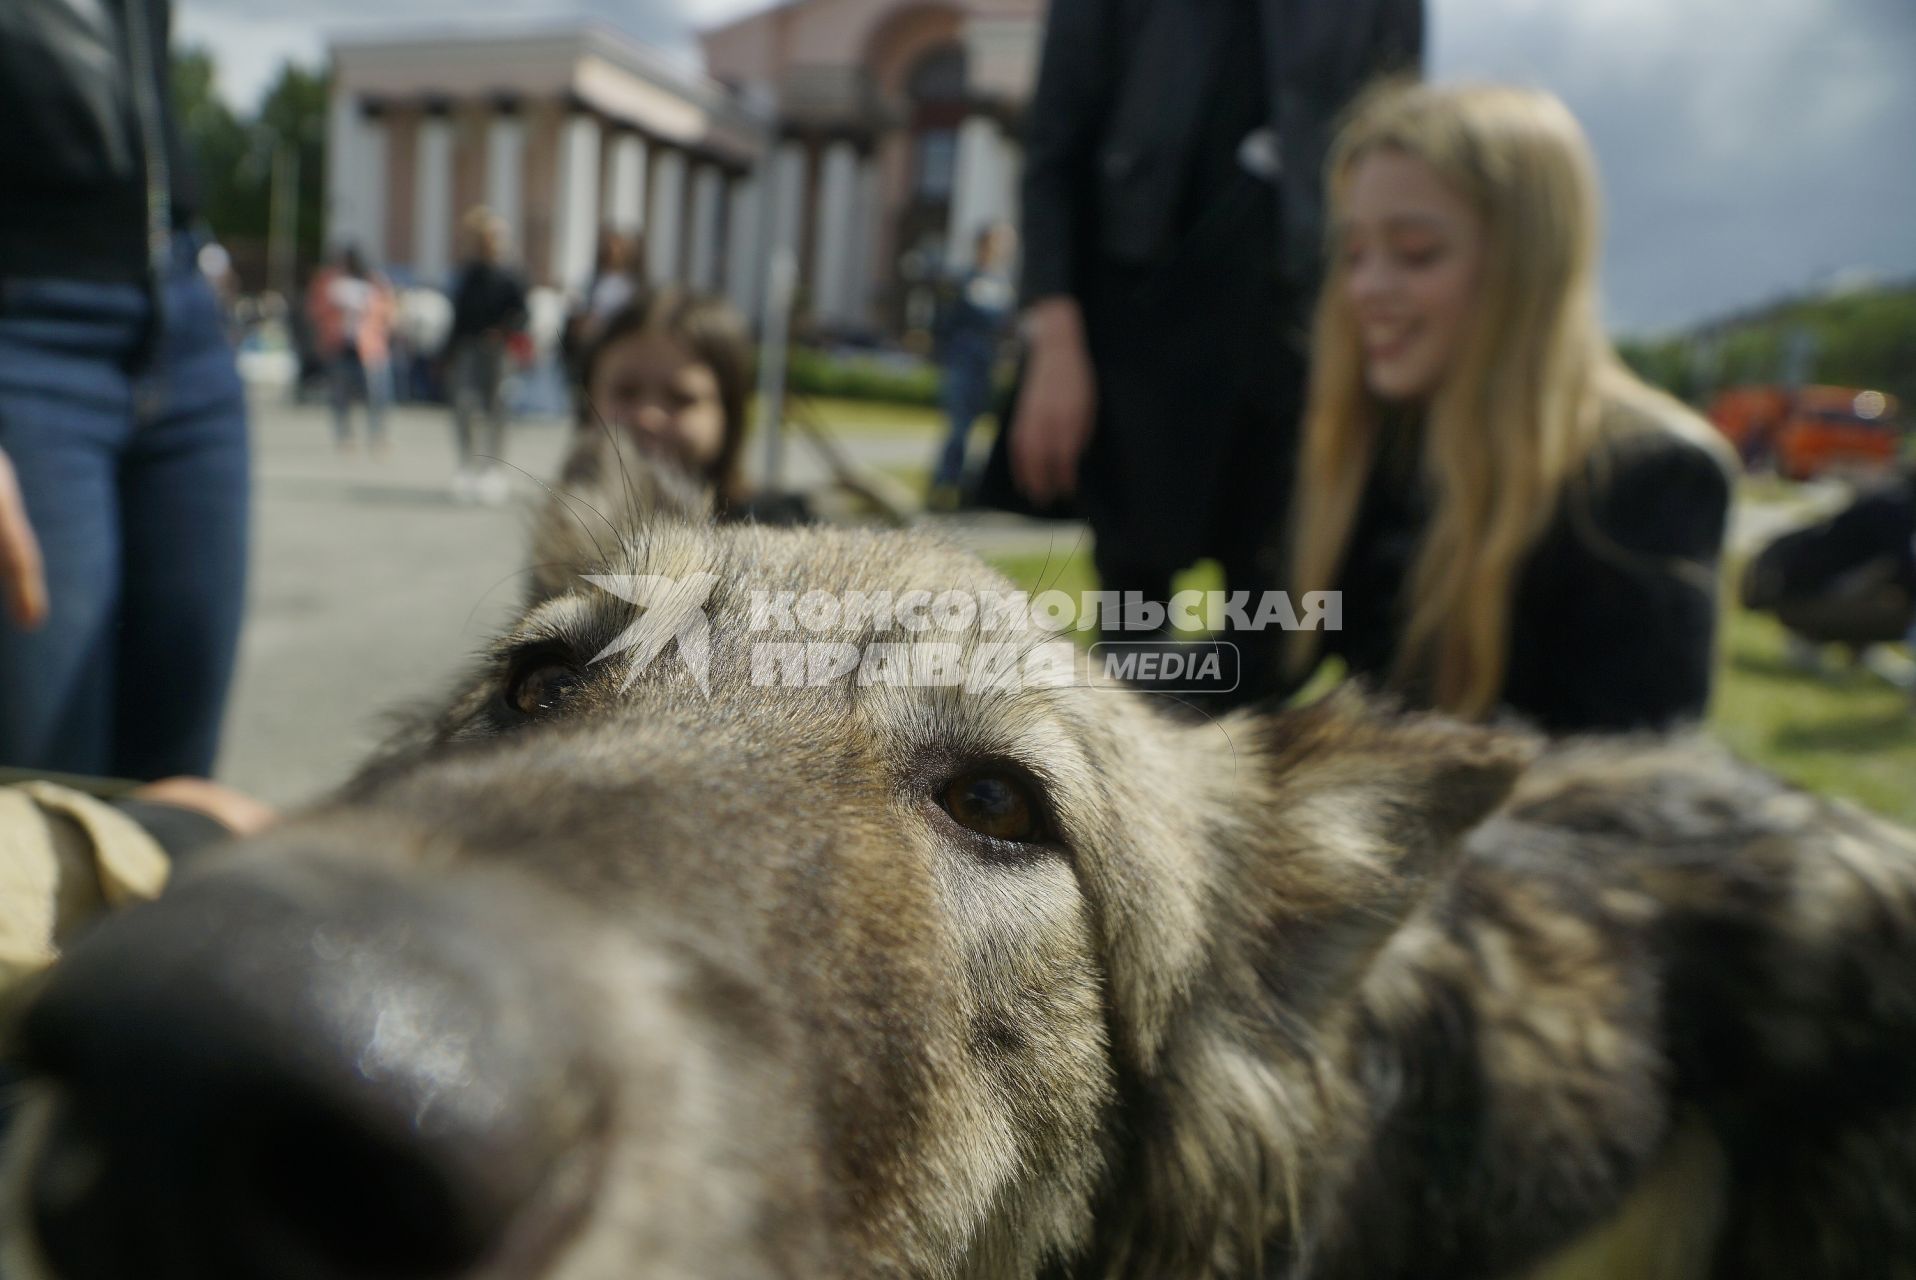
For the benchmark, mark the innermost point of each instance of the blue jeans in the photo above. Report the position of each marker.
(967, 395)
(128, 431)
(349, 378)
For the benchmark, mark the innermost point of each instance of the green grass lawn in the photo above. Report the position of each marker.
(1843, 733)
(864, 416)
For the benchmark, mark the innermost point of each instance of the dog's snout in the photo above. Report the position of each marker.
(311, 1076)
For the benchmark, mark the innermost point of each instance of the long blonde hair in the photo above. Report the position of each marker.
(1519, 412)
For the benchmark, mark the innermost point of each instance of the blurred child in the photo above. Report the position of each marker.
(669, 375)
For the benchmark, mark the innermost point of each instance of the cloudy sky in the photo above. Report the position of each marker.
(1749, 147)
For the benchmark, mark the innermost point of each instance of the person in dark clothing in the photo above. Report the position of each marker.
(1849, 579)
(1517, 524)
(1172, 231)
(971, 332)
(488, 310)
(121, 409)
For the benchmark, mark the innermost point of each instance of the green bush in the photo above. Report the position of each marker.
(815, 373)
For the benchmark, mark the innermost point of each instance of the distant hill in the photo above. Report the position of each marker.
(1860, 338)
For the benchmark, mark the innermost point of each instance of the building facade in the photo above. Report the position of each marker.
(896, 126)
(870, 139)
(561, 132)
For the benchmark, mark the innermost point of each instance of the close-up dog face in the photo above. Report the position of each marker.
(640, 967)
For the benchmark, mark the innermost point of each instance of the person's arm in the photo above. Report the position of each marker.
(23, 578)
(517, 312)
(1057, 402)
(1632, 642)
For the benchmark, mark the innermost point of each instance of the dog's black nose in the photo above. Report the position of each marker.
(312, 1075)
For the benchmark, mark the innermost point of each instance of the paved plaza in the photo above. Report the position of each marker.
(371, 586)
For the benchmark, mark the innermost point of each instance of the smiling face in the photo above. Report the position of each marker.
(660, 395)
(1411, 253)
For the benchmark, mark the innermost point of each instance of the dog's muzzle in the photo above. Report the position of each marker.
(305, 1074)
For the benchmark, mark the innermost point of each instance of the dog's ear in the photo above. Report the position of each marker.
(1362, 807)
(1319, 832)
(605, 494)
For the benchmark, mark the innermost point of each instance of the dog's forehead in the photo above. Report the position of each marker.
(741, 574)
(817, 599)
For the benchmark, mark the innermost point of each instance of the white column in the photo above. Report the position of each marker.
(744, 244)
(575, 217)
(355, 179)
(981, 189)
(665, 227)
(432, 202)
(707, 189)
(505, 177)
(372, 201)
(833, 245)
(625, 185)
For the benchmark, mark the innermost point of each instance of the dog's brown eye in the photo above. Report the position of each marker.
(539, 686)
(995, 803)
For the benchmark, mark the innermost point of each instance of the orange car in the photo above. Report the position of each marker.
(1810, 430)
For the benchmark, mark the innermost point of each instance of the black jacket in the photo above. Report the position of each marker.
(1119, 97)
(1613, 623)
(92, 175)
(486, 298)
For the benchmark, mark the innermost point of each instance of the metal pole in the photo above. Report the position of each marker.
(775, 333)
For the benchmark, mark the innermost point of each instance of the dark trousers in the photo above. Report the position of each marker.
(127, 427)
(967, 397)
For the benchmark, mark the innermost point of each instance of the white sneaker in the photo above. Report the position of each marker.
(464, 486)
(492, 487)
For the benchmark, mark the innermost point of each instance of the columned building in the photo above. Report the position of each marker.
(561, 132)
(898, 126)
(870, 139)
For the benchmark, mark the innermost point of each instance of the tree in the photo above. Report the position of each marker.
(233, 157)
(293, 113)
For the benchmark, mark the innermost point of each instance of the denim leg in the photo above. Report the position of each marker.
(64, 417)
(489, 389)
(379, 394)
(463, 391)
(339, 389)
(184, 536)
(967, 390)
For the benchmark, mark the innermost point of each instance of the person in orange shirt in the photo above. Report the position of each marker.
(352, 313)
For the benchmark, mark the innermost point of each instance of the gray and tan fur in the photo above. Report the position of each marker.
(646, 984)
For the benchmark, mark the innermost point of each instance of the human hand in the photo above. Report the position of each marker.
(238, 813)
(1056, 406)
(22, 574)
